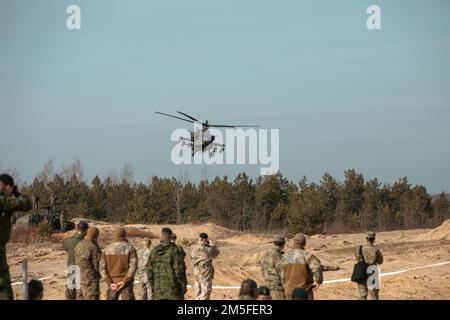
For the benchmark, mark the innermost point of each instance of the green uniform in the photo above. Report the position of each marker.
(372, 256)
(69, 245)
(144, 290)
(271, 270)
(8, 205)
(167, 272)
(87, 258)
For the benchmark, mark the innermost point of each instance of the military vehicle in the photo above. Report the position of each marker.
(56, 219)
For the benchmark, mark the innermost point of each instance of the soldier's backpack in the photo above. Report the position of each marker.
(359, 274)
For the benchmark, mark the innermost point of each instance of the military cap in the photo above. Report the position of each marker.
(370, 235)
(7, 179)
(36, 285)
(279, 238)
(299, 238)
(83, 225)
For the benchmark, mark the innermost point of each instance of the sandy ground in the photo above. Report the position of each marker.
(241, 252)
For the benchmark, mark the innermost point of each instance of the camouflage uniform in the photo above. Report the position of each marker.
(372, 256)
(69, 245)
(271, 270)
(8, 205)
(202, 256)
(144, 288)
(167, 272)
(87, 258)
(119, 262)
(299, 269)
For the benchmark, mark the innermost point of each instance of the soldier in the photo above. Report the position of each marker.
(10, 201)
(202, 256)
(264, 293)
(271, 268)
(173, 239)
(35, 199)
(87, 258)
(69, 245)
(35, 290)
(118, 265)
(372, 256)
(144, 288)
(166, 270)
(300, 269)
(248, 290)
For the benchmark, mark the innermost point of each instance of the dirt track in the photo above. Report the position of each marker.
(240, 254)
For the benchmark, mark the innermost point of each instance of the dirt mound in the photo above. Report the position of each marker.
(190, 232)
(250, 239)
(440, 233)
(241, 254)
(185, 232)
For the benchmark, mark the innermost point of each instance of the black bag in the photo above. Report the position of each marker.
(359, 274)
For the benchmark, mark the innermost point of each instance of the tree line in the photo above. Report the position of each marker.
(267, 204)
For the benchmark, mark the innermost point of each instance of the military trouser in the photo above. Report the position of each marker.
(366, 294)
(73, 294)
(90, 290)
(6, 292)
(309, 295)
(126, 293)
(143, 290)
(277, 294)
(203, 289)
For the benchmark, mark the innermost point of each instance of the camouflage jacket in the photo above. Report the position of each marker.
(143, 257)
(299, 269)
(119, 262)
(9, 205)
(87, 258)
(271, 268)
(166, 272)
(202, 256)
(69, 245)
(183, 254)
(371, 254)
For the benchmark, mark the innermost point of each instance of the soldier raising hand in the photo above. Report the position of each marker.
(10, 201)
(202, 256)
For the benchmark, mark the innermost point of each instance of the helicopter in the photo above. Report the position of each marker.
(202, 140)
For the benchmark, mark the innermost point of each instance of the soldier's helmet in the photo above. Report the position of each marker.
(370, 235)
(300, 238)
(279, 238)
(83, 225)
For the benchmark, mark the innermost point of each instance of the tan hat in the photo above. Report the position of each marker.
(92, 233)
(279, 238)
(119, 234)
(370, 235)
(299, 238)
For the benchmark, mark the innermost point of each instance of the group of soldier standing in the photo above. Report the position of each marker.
(299, 273)
(160, 273)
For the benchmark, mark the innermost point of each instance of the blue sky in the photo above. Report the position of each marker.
(341, 95)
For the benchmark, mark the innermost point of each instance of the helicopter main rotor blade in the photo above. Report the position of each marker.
(232, 126)
(169, 115)
(186, 115)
